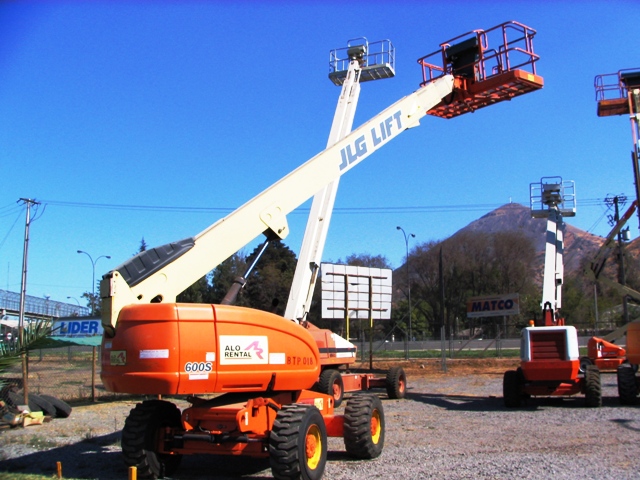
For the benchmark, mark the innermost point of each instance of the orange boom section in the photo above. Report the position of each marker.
(186, 349)
(633, 343)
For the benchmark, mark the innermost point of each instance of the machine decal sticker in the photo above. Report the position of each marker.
(118, 357)
(210, 356)
(198, 367)
(154, 353)
(198, 376)
(277, 358)
(244, 350)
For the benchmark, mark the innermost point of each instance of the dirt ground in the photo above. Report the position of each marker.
(452, 421)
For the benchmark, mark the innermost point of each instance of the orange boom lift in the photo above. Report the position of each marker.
(619, 94)
(549, 353)
(248, 374)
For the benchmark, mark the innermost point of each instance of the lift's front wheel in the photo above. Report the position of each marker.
(364, 426)
(140, 436)
(592, 387)
(298, 443)
(512, 389)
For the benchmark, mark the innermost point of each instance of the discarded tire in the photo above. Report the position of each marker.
(63, 409)
(36, 403)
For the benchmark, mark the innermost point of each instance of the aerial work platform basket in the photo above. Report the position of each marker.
(484, 74)
(613, 92)
(377, 60)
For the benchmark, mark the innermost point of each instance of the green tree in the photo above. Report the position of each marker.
(269, 285)
(223, 277)
(366, 260)
(473, 263)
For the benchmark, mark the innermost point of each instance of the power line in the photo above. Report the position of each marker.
(10, 229)
(338, 210)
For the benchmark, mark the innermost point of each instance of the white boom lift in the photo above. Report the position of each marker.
(264, 367)
(553, 198)
(364, 64)
(156, 275)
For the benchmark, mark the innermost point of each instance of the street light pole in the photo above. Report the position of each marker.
(406, 243)
(93, 311)
(93, 278)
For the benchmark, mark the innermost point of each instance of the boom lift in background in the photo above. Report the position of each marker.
(549, 353)
(259, 366)
(619, 94)
(602, 351)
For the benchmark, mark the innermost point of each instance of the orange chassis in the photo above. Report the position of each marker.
(207, 425)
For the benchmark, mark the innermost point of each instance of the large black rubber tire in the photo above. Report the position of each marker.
(627, 384)
(396, 382)
(63, 409)
(592, 387)
(298, 443)
(512, 389)
(364, 426)
(36, 403)
(331, 383)
(139, 438)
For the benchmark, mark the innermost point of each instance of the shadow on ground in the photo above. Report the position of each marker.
(474, 403)
(100, 458)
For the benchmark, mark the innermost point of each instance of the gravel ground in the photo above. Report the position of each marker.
(451, 426)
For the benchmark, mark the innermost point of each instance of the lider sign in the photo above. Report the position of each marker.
(494, 306)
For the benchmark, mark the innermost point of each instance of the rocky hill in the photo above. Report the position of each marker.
(513, 216)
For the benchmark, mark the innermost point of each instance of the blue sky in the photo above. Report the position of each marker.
(155, 119)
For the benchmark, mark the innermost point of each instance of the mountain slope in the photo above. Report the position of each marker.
(578, 244)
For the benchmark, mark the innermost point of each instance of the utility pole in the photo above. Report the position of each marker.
(23, 291)
(622, 280)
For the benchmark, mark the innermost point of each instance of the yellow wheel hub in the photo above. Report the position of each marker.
(376, 427)
(313, 446)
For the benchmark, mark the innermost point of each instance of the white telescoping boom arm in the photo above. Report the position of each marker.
(160, 274)
(553, 261)
(315, 234)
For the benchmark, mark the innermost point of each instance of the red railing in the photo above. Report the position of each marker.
(514, 51)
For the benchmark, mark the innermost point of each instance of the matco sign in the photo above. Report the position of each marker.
(494, 306)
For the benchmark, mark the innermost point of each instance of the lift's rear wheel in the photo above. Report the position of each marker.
(592, 387)
(396, 382)
(140, 435)
(584, 363)
(512, 389)
(627, 384)
(364, 426)
(298, 443)
(331, 383)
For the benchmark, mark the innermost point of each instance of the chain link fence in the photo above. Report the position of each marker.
(72, 373)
